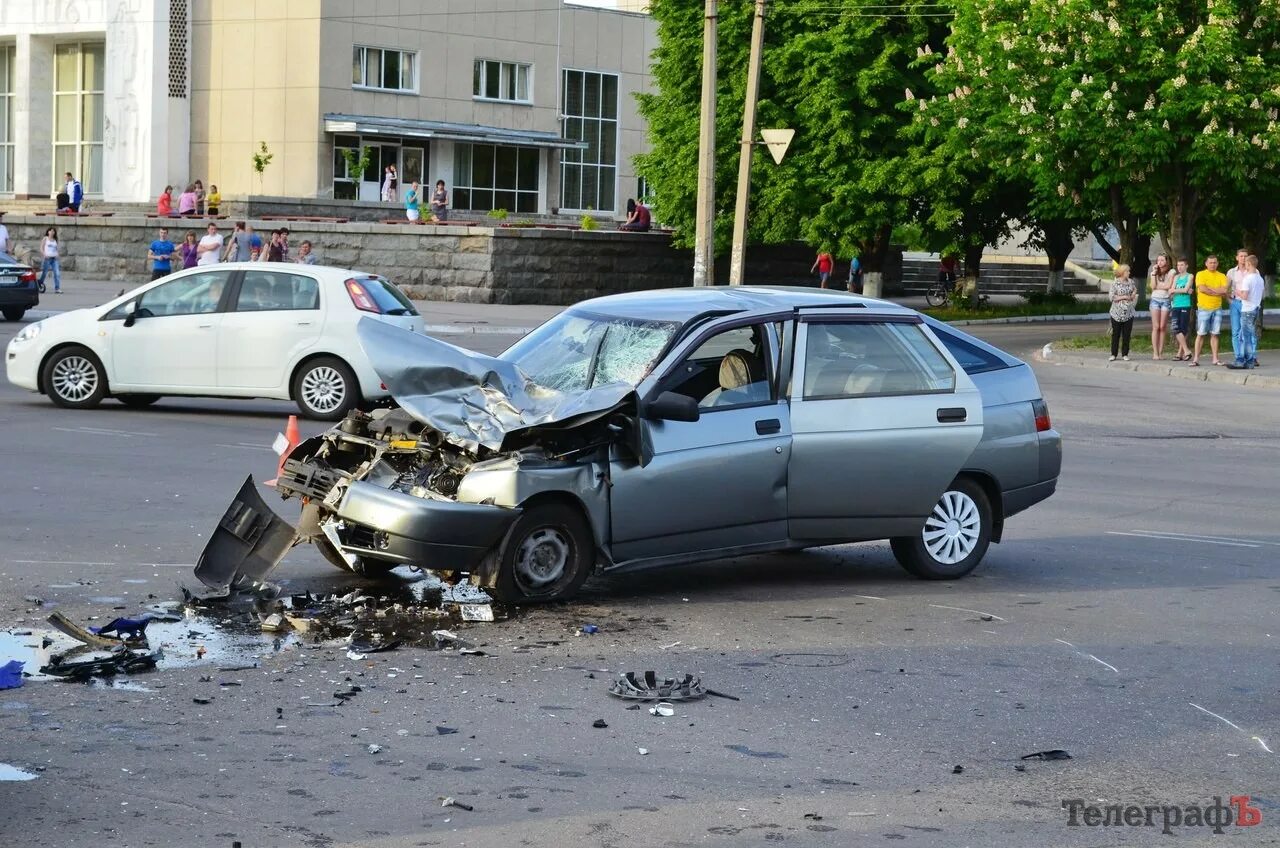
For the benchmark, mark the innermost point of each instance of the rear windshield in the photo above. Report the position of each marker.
(388, 296)
(6, 259)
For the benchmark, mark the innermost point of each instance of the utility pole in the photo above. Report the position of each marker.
(739, 255)
(704, 243)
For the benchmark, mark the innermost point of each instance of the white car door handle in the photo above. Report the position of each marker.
(206, 326)
(304, 323)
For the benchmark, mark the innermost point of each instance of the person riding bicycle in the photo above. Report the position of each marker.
(947, 269)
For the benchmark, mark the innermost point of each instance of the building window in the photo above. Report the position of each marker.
(487, 176)
(178, 48)
(590, 109)
(496, 80)
(345, 185)
(384, 70)
(7, 64)
(77, 114)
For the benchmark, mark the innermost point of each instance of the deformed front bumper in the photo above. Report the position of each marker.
(368, 522)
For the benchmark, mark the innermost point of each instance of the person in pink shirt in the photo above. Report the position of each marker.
(187, 201)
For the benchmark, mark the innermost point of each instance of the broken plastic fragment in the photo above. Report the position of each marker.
(449, 802)
(11, 674)
(600, 724)
(649, 688)
(476, 612)
(125, 627)
(1053, 754)
(374, 749)
(662, 709)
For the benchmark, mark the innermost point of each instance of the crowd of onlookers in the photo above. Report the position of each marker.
(243, 244)
(194, 201)
(1172, 291)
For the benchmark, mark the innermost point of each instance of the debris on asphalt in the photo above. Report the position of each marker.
(649, 688)
(600, 724)
(663, 709)
(476, 612)
(11, 674)
(813, 816)
(274, 623)
(449, 802)
(958, 770)
(125, 628)
(716, 694)
(352, 655)
(445, 731)
(589, 629)
(8, 772)
(65, 625)
(119, 660)
(1020, 767)
(374, 749)
(642, 751)
(1053, 754)
(202, 701)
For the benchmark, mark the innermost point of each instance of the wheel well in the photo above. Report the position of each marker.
(312, 357)
(991, 489)
(61, 347)
(568, 500)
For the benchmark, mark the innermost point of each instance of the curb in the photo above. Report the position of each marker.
(1204, 374)
(1042, 319)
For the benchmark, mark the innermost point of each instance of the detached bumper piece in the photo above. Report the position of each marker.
(248, 542)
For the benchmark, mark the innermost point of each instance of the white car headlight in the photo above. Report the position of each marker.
(29, 332)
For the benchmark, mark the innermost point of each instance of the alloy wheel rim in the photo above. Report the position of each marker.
(323, 389)
(542, 558)
(951, 532)
(75, 378)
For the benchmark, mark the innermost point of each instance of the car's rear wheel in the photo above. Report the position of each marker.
(546, 555)
(74, 378)
(137, 401)
(954, 537)
(13, 313)
(325, 388)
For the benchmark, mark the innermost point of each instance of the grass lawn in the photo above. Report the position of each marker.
(1141, 341)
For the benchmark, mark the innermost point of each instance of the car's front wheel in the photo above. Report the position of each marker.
(74, 378)
(547, 555)
(325, 388)
(14, 313)
(954, 538)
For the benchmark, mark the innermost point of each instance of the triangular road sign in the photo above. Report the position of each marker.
(777, 141)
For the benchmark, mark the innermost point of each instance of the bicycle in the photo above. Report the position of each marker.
(940, 294)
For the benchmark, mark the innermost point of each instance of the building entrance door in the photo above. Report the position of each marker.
(373, 177)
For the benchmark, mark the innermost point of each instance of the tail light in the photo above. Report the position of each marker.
(1040, 410)
(28, 277)
(360, 298)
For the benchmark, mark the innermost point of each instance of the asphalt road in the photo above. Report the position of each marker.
(1130, 620)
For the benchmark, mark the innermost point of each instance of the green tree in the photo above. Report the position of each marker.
(261, 159)
(834, 73)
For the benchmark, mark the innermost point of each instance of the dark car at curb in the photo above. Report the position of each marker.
(664, 427)
(18, 288)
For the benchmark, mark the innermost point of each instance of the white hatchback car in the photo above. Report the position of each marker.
(242, 330)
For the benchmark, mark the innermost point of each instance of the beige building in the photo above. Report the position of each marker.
(522, 105)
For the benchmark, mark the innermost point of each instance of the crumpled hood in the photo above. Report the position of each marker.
(471, 398)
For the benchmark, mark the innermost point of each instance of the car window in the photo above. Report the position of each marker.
(731, 368)
(262, 291)
(575, 351)
(192, 295)
(973, 359)
(868, 359)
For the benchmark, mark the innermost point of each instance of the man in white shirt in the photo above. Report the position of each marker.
(1234, 279)
(4, 235)
(210, 247)
(1247, 291)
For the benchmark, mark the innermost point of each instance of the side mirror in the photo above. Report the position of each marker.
(670, 406)
(131, 316)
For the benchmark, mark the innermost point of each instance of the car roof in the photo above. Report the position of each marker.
(684, 303)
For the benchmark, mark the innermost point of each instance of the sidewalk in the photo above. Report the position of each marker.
(1266, 377)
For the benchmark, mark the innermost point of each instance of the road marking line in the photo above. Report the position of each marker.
(1215, 538)
(1228, 721)
(1090, 656)
(1167, 538)
(79, 562)
(100, 431)
(252, 447)
(870, 597)
(1263, 744)
(962, 609)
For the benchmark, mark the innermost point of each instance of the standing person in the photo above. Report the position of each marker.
(255, 246)
(4, 234)
(210, 246)
(1181, 303)
(199, 197)
(1248, 293)
(411, 201)
(386, 184)
(238, 244)
(1123, 296)
(214, 200)
(1211, 287)
(187, 201)
(1161, 288)
(1235, 276)
(164, 204)
(854, 283)
(823, 265)
(284, 244)
(189, 250)
(440, 203)
(50, 253)
(305, 256)
(75, 193)
(275, 252)
(161, 254)
(394, 193)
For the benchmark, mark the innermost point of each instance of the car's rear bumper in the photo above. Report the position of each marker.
(23, 297)
(1016, 500)
(389, 526)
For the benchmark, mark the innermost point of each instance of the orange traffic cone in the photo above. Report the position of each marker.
(284, 444)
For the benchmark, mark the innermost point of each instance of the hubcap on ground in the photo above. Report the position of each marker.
(75, 378)
(951, 533)
(541, 558)
(323, 389)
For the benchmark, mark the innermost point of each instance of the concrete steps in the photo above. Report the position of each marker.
(997, 277)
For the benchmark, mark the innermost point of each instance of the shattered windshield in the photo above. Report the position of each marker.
(578, 350)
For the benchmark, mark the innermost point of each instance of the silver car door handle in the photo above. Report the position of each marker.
(768, 426)
(952, 415)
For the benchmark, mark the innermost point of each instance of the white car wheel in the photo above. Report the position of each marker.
(325, 389)
(954, 538)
